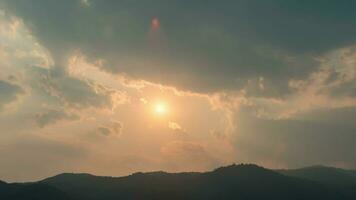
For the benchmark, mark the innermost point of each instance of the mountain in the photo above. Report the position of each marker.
(240, 182)
(30, 191)
(342, 180)
(231, 182)
(351, 172)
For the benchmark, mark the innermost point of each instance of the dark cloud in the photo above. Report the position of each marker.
(8, 92)
(114, 128)
(104, 130)
(341, 116)
(52, 116)
(201, 49)
(345, 89)
(72, 92)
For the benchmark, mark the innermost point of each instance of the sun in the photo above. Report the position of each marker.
(160, 108)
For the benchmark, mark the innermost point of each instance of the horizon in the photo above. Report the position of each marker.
(241, 181)
(176, 172)
(119, 86)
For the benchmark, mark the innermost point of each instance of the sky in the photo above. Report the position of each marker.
(119, 86)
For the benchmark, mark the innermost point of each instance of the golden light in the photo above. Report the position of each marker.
(160, 108)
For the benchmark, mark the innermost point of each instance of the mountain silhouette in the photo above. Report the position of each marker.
(343, 180)
(244, 181)
(30, 191)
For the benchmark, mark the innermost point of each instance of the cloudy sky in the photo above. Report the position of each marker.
(118, 86)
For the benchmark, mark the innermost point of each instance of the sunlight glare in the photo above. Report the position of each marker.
(160, 108)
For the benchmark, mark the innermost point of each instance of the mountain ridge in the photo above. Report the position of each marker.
(242, 181)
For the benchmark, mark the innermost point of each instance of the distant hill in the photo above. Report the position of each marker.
(342, 180)
(30, 191)
(232, 182)
(238, 182)
(351, 172)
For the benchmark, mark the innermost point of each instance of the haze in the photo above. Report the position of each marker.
(114, 87)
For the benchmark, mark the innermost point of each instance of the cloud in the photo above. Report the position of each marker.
(9, 93)
(18, 47)
(52, 116)
(330, 86)
(218, 52)
(176, 127)
(114, 128)
(73, 92)
(295, 129)
(143, 100)
(85, 2)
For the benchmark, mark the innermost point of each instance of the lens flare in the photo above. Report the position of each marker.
(155, 24)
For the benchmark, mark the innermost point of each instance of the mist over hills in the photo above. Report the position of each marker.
(244, 181)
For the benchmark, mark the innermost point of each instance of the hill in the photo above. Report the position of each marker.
(30, 191)
(231, 182)
(240, 182)
(342, 180)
